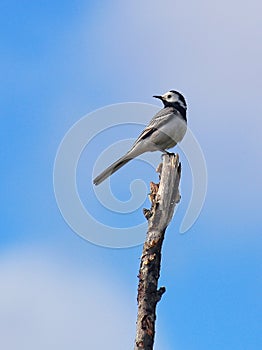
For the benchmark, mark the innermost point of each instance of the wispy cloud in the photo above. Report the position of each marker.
(49, 305)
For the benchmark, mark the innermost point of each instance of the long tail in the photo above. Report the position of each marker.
(113, 168)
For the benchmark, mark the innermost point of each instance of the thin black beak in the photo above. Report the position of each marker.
(160, 97)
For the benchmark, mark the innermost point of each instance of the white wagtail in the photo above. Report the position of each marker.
(164, 131)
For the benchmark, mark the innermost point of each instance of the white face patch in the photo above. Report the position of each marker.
(172, 97)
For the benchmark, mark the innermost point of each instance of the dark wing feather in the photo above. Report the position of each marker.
(162, 117)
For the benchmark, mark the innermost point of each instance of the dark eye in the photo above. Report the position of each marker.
(169, 96)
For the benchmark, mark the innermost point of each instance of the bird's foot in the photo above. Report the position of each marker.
(167, 153)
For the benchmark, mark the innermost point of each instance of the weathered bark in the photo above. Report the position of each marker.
(164, 197)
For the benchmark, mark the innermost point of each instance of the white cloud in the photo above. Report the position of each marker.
(172, 42)
(47, 305)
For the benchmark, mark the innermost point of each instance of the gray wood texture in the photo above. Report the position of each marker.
(164, 197)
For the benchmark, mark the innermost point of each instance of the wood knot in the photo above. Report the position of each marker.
(153, 192)
(148, 325)
(159, 293)
(147, 213)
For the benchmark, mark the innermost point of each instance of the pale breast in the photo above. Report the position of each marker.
(171, 133)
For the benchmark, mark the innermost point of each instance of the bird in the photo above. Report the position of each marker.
(164, 131)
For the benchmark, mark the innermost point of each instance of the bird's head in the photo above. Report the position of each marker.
(173, 98)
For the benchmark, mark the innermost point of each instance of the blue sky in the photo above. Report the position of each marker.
(62, 60)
